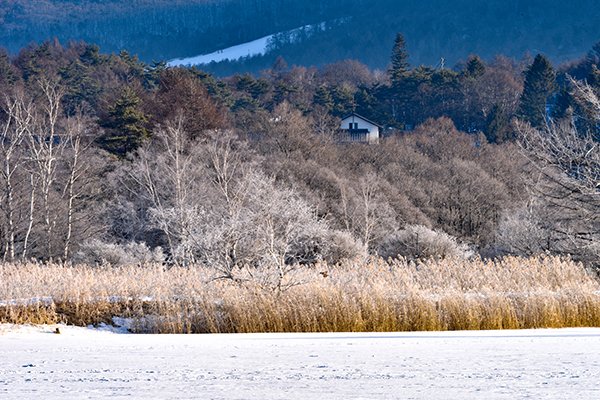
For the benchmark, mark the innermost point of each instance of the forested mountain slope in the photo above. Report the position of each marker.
(154, 29)
(357, 29)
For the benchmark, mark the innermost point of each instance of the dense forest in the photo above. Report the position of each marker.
(107, 159)
(156, 29)
(353, 29)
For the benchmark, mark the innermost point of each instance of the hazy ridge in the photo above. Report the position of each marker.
(160, 30)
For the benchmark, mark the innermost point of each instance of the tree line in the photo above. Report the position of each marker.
(157, 29)
(108, 159)
(356, 29)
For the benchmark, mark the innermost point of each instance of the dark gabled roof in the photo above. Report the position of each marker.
(363, 118)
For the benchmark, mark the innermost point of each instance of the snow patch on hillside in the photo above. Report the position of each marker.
(249, 49)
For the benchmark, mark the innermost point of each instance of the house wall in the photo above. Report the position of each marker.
(373, 136)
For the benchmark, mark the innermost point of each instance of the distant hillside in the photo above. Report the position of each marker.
(154, 29)
(361, 29)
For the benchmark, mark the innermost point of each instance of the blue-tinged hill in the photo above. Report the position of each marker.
(357, 29)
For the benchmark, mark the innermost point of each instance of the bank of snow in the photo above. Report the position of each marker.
(256, 47)
(87, 363)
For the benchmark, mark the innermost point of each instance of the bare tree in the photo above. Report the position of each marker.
(289, 132)
(566, 177)
(169, 176)
(228, 168)
(80, 172)
(13, 131)
(283, 231)
(366, 211)
(47, 168)
(46, 146)
(215, 208)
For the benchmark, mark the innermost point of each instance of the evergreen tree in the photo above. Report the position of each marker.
(343, 101)
(91, 55)
(593, 78)
(540, 82)
(135, 67)
(412, 95)
(126, 124)
(323, 98)
(283, 91)
(216, 87)
(400, 98)
(400, 66)
(82, 88)
(7, 72)
(381, 107)
(254, 87)
(152, 74)
(593, 56)
(474, 67)
(31, 61)
(563, 105)
(366, 104)
(498, 125)
(279, 67)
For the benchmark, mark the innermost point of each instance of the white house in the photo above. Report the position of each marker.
(355, 128)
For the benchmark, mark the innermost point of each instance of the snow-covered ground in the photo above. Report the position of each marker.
(248, 49)
(85, 363)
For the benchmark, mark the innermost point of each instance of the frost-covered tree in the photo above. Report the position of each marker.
(566, 180)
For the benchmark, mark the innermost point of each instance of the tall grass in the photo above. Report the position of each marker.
(373, 295)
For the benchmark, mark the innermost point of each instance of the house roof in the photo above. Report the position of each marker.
(363, 118)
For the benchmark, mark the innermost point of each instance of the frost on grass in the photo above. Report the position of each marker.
(356, 295)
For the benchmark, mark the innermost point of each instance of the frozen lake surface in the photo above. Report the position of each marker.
(87, 363)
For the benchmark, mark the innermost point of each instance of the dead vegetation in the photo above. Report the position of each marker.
(372, 295)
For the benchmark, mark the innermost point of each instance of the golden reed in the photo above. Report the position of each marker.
(357, 296)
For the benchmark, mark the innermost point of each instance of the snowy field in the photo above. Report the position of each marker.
(84, 363)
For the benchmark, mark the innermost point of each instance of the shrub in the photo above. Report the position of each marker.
(97, 252)
(343, 246)
(521, 232)
(418, 241)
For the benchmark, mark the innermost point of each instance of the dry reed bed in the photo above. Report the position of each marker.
(372, 295)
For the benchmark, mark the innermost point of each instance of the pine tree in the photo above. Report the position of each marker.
(593, 78)
(91, 55)
(7, 72)
(400, 66)
(593, 56)
(474, 67)
(152, 74)
(279, 67)
(323, 98)
(126, 124)
(540, 82)
(82, 88)
(343, 101)
(135, 66)
(563, 104)
(498, 125)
